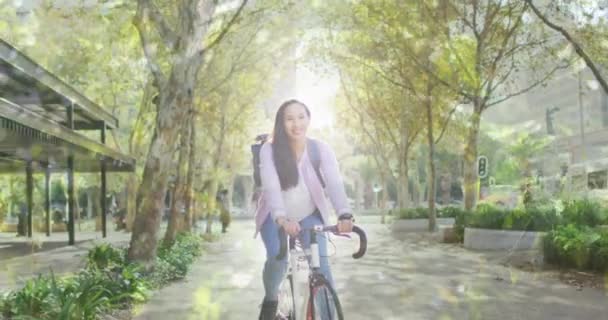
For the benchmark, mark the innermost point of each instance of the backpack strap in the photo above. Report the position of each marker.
(255, 152)
(315, 157)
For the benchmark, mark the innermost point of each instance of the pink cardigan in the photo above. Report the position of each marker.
(271, 200)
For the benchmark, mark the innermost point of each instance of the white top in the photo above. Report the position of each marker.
(298, 200)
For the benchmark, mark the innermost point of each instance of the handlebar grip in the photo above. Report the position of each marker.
(283, 244)
(362, 242)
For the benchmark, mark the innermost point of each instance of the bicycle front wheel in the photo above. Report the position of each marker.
(323, 303)
(287, 304)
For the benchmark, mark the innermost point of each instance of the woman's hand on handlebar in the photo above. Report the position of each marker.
(345, 223)
(292, 228)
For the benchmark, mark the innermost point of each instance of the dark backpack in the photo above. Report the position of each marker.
(313, 154)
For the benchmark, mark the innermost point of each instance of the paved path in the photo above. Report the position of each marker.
(411, 278)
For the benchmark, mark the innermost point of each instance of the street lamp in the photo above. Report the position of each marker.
(376, 189)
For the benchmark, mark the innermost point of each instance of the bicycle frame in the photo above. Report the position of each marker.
(299, 274)
(303, 286)
(303, 283)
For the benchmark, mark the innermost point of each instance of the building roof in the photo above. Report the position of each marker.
(35, 122)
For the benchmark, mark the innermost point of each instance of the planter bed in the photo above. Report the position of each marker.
(418, 225)
(488, 239)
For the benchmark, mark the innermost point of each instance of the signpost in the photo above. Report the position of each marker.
(482, 167)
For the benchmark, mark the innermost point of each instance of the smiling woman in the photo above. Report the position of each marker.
(294, 196)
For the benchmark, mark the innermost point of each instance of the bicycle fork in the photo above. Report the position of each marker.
(315, 260)
(315, 264)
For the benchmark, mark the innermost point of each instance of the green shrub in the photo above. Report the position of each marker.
(461, 221)
(164, 272)
(487, 216)
(128, 284)
(190, 242)
(413, 213)
(84, 296)
(550, 251)
(532, 218)
(571, 246)
(584, 212)
(517, 219)
(105, 256)
(423, 213)
(599, 256)
(173, 262)
(544, 217)
(108, 281)
(125, 281)
(450, 212)
(568, 247)
(33, 300)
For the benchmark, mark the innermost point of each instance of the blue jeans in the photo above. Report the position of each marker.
(274, 270)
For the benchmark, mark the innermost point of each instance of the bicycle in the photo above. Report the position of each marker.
(320, 296)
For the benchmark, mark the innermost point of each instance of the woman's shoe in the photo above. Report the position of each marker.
(269, 310)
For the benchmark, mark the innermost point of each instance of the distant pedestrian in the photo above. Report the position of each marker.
(222, 201)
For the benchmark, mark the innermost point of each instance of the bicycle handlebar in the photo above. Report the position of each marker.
(333, 229)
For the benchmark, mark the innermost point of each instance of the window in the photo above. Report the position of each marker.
(597, 180)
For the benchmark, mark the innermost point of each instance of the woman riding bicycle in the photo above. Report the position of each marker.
(293, 195)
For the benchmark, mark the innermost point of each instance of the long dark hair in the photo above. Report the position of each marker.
(282, 154)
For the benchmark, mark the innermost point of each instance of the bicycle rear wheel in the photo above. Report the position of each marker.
(323, 303)
(287, 303)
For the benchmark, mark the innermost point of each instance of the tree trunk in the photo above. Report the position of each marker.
(359, 191)
(194, 208)
(418, 192)
(211, 206)
(383, 207)
(403, 151)
(131, 198)
(384, 200)
(179, 187)
(136, 148)
(403, 187)
(173, 223)
(431, 180)
(470, 159)
(213, 187)
(189, 192)
(151, 196)
(175, 99)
